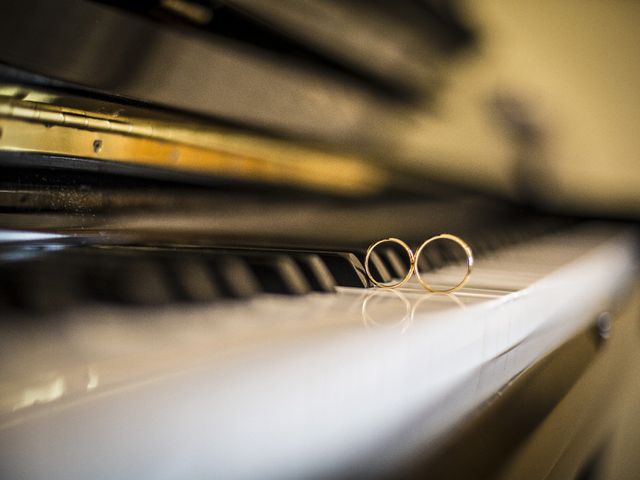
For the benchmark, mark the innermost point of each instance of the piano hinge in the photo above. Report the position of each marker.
(93, 129)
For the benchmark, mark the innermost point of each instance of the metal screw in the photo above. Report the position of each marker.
(97, 145)
(603, 325)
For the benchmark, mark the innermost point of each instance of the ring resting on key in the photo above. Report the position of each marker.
(467, 251)
(404, 279)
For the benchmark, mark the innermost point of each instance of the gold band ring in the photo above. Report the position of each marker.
(467, 251)
(404, 279)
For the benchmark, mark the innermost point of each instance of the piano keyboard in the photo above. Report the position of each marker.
(88, 270)
(201, 359)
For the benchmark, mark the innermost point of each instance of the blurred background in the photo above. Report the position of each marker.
(569, 71)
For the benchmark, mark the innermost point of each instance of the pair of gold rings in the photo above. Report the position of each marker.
(413, 262)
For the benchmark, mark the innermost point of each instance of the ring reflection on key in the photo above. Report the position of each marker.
(410, 308)
(405, 320)
(467, 251)
(454, 300)
(392, 284)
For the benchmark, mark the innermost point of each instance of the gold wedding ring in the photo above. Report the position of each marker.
(404, 279)
(413, 263)
(467, 251)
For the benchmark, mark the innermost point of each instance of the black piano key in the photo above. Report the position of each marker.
(446, 251)
(129, 279)
(5, 301)
(278, 274)
(233, 276)
(384, 259)
(376, 266)
(346, 268)
(423, 263)
(143, 282)
(505, 237)
(316, 272)
(493, 241)
(432, 258)
(478, 246)
(520, 234)
(42, 285)
(192, 280)
(397, 264)
(453, 253)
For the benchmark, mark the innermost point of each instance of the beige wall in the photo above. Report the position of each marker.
(577, 66)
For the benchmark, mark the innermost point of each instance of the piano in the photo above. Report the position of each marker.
(188, 191)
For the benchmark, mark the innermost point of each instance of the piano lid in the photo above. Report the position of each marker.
(455, 93)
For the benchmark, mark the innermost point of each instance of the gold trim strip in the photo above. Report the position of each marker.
(337, 175)
(40, 127)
